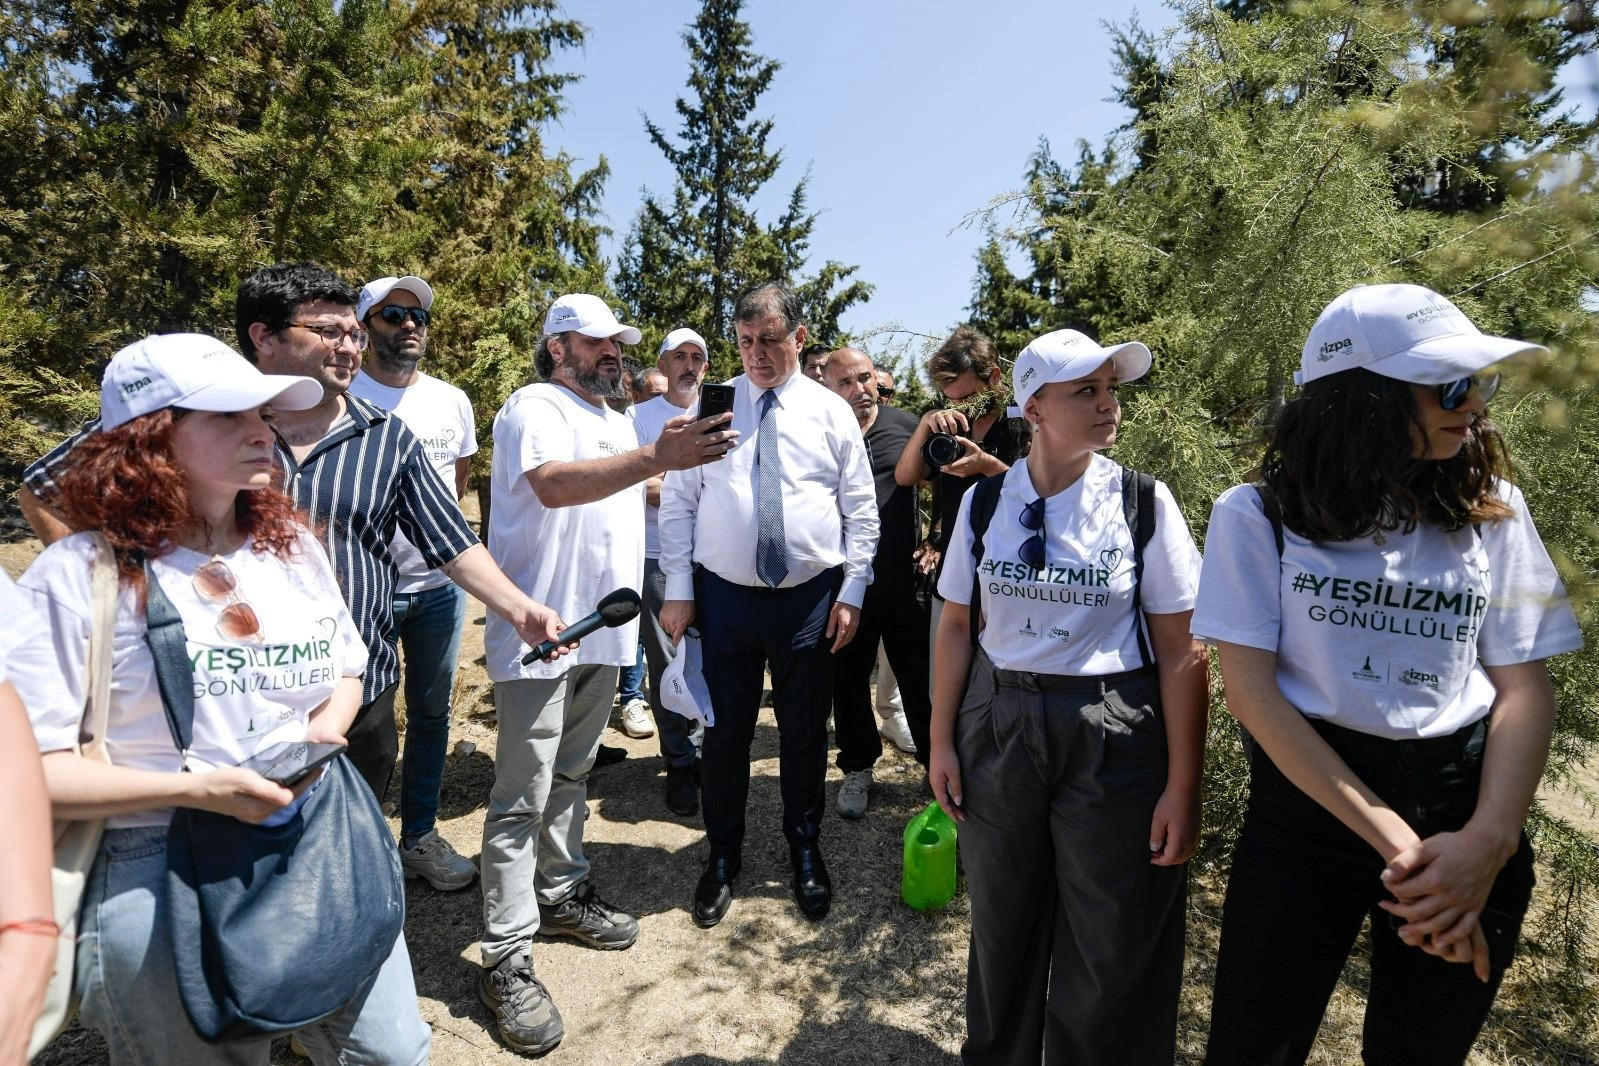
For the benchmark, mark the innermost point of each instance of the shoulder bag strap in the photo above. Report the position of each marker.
(102, 628)
(169, 647)
(985, 498)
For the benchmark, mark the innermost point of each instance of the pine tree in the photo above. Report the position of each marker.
(687, 260)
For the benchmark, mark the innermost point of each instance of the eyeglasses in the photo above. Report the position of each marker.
(1032, 550)
(395, 315)
(331, 335)
(215, 583)
(1452, 394)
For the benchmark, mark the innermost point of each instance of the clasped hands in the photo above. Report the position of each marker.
(1440, 887)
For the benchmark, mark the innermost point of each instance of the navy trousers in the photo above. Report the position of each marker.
(744, 631)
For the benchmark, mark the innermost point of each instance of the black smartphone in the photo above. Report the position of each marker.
(284, 764)
(715, 400)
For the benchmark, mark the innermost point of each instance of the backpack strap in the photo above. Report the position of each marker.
(1274, 513)
(985, 498)
(1138, 508)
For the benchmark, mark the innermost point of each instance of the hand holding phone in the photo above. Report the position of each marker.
(286, 763)
(715, 400)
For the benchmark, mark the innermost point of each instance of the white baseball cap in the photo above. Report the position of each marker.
(375, 292)
(581, 313)
(683, 688)
(681, 336)
(194, 371)
(1066, 355)
(1406, 332)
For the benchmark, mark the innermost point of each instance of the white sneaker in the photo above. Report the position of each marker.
(636, 720)
(433, 860)
(854, 793)
(897, 732)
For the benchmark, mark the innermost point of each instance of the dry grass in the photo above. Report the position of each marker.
(874, 983)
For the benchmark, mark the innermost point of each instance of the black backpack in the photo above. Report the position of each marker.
(1138, 508)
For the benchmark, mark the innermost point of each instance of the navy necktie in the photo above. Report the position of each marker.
(771, 550)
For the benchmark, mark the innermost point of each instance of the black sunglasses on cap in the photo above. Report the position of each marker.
(1452, 394)
(395, 315)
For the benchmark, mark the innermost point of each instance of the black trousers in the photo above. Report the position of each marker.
(892, 616)
(1303, 884)
(744, 631)
(375, 742)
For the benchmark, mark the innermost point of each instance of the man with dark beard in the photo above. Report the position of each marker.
(567, 519)
(429, 610)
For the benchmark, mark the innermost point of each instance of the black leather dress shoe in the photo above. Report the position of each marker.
(714, 894)
(813, 889)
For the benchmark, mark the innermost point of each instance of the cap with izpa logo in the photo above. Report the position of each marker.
(1400, 331)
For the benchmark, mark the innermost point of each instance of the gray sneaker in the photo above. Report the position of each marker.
(854, 793)
(585, 917)
(433, 860)
(523, 1009)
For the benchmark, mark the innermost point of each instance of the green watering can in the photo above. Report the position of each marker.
(928, 881)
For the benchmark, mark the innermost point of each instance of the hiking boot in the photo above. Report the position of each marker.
(854, 793)
(523, 1010)
(636, 720)
(434, 861)
(683, 789)
(897, 732)
(585, 917)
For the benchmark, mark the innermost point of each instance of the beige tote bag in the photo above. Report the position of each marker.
(77, 843)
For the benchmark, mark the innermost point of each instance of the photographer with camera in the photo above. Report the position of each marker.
(960, 442)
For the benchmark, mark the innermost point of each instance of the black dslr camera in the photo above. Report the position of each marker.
(941, 449)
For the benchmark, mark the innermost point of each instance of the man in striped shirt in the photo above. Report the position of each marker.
(359, 475)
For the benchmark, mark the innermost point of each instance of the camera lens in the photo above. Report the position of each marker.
(941, 449)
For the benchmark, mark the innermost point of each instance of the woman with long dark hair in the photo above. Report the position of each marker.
(179, 480)
(1068, 729)
(1383, 607)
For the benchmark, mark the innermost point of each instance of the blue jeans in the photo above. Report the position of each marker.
(630, 684)
(125, 977)
(428, 625)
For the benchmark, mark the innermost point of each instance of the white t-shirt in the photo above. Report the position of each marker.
(1387, 639)
(1074, 617)
(565, 557)
(649, 421)
(441, 417)
(27, 659)
(248, 695)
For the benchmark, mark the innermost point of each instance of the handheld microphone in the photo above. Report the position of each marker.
(616, 609)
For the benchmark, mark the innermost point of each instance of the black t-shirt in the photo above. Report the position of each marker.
(896, 504)
(1004, 442)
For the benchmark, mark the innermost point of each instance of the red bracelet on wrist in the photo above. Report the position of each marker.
(33, 927)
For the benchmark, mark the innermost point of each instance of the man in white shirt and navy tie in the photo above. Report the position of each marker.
(773, 576)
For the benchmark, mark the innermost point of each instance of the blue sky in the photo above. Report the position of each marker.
(910, 116)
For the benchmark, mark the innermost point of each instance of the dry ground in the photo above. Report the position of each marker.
(874, 983)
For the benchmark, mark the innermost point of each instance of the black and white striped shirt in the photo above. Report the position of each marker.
(363, 480)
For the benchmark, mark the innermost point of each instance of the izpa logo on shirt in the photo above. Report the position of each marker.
(1049, 584)
(1382, 607)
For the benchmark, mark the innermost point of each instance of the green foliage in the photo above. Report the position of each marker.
(157, 151)
(687, 260)
(1282, 153)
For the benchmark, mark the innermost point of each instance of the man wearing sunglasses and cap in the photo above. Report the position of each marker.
(567, 523)
(429, 609)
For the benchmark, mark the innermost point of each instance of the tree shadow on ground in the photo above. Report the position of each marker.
(853, 1039)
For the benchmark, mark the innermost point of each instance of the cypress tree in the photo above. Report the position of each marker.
(687, 258)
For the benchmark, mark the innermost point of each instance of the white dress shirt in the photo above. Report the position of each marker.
(829, 499)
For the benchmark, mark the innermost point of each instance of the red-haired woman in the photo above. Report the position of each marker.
(180, 474)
